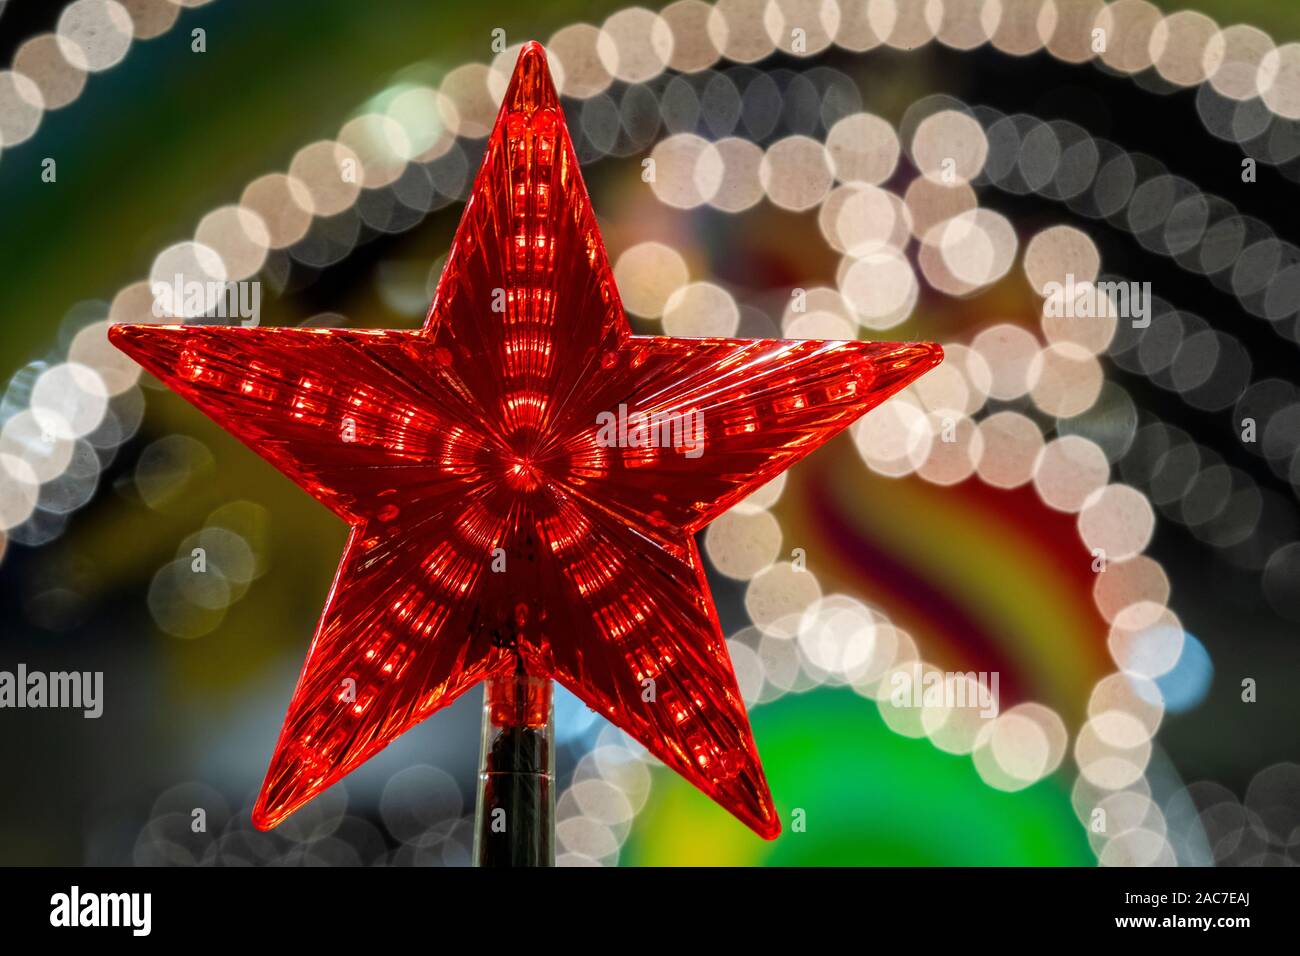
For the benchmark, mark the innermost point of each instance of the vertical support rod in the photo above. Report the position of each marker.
(515, 816)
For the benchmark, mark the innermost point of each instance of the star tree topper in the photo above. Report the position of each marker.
(499, 521)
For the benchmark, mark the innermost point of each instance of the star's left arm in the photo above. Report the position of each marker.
(345, 413)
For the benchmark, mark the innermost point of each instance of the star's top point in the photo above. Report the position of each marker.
(531, 86)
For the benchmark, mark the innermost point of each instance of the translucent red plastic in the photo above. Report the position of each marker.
(523, 478)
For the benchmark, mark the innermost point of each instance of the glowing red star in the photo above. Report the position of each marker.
(523, 478)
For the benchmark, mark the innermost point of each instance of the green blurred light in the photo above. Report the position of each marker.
(871, 798)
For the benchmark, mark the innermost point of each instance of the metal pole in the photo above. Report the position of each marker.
(515, 817)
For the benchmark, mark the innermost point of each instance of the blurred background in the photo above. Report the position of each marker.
(1102, 511)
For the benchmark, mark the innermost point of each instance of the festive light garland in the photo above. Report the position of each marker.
(49, 71)
(272, 199)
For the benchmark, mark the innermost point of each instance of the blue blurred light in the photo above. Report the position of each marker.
(1185, 685)
(575, 722)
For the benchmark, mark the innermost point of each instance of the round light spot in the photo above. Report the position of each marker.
(1065, 379)
(796, 173)
(283, 204)
(602, 801)
(45, 60)
(766, 495)
(1125, 710)
(1178, 45)
(1137, 847)
(693, 46)
(646, 275)
(238, 237)
(153, 18)
(379, 145)
(881, 287)
(777, 597)
(957, 453)
(977, 247)
(1071, 39)
(1127, 26)
(134, 303)
(1023, 26)
(91, 348)
(863, 148)
(748, 667)
(1069, 470)
(98, 32)
(584, 73)
(688, 170)
(1012, 443)
(187, 279)
(802, 27)
(19, 490)
(894, 438)
(837, 638)
(21, 108)
(331, 174)
(737, 28)
(1279, 80)
(740, 187)
(974, 371)
(1128, 582)
(818, 325)
(701, 310)
(73, 396)
(635, 45)
(901, 696)
(1118, 521)
(943, 388)
(1007, 350)
(41, 441)
(1028, 742)
(930, 203)
(956, 711)
(421, 112)
(1146, 638)
(1078, 314)
(818, 313)
(1107, 766)
(858, 219)
(859, 31)
(966, 26)
(741, 543)
(907, 25)
(1057, 253)
(949, 147)
(1232, 60)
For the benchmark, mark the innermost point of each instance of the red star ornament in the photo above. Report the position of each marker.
(523, 478)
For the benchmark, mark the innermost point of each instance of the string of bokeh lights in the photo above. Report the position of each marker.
(1208, 369)
(385, 145)
(49, 71)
